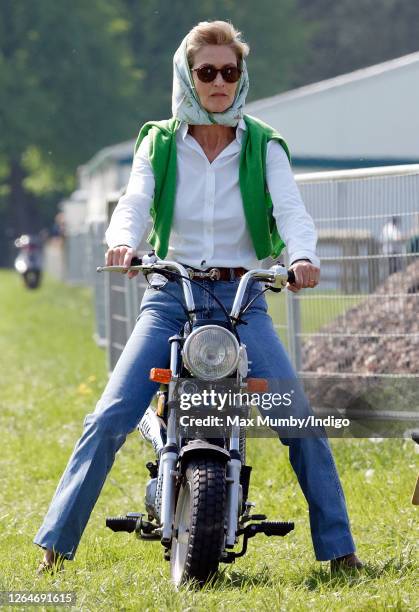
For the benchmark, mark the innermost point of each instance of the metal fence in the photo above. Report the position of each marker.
(122, 299)
(95, 258)
(77, 270)
(362, 318)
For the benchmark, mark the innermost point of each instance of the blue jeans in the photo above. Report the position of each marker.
(129, 392)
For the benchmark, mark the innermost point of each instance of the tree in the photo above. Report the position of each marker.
(274, 31)
(352, 34)
(76, 76)
(67, 88)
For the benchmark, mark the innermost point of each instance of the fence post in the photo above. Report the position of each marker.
(108, 322)
(294, 328)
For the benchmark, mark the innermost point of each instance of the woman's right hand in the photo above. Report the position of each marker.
(121, 255)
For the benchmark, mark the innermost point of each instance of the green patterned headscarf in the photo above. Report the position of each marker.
(185, 101)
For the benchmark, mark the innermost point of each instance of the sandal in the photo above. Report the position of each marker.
(47, 567)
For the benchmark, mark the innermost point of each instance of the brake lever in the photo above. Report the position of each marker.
(291, 280)
(148, 259)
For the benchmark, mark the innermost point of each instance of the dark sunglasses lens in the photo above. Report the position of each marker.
(206, 74)
(231, 74)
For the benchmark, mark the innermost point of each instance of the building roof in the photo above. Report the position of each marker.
(365, 118)
(119, 153)
(338, 81)
(358, 122)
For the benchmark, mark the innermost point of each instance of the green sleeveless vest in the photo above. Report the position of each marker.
(257, 202)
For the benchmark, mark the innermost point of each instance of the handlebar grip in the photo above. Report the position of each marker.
(291, 277)
(136, 261)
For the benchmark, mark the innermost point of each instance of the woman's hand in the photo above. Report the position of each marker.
(121, 255)
(306, 275)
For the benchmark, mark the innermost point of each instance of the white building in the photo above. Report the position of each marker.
(365, 118)
(361, 119)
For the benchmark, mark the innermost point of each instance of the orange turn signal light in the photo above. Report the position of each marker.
(257, 385)
(160, 375)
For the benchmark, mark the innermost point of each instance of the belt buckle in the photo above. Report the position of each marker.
(214, 274)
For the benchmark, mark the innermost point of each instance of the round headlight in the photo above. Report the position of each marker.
(211, 352)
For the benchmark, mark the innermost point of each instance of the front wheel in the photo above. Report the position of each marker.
(198, 538)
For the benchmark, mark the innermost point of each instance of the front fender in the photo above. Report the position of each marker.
(202, 447)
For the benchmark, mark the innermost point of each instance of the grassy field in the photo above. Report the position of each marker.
(51, 373)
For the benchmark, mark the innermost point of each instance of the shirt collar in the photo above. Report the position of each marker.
(241, 127)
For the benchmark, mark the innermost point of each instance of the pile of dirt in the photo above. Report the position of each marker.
(383, 328)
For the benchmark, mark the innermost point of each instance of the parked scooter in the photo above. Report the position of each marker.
(196, 498)
(29, 260)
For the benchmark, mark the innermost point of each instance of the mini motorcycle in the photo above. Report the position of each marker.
(196, 499)
(29, 260)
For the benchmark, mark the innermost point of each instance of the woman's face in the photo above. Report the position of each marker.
(218, 95)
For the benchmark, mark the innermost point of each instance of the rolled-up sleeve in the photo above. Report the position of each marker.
(295, 225)
(132, 213)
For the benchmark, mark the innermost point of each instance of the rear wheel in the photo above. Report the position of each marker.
(199, 521)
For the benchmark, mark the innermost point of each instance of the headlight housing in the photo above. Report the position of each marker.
(211, 352)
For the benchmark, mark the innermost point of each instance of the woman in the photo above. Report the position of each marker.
(202, 173)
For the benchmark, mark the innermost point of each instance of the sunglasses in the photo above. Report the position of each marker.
(208, 73)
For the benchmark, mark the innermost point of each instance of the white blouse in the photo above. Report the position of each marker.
(209, 226)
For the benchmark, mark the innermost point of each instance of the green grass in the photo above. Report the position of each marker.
(51, 374)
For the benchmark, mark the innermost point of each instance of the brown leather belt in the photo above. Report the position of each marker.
(224, 274)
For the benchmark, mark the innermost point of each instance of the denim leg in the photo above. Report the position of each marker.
(123, 403)
(310, 457)
(128, 394)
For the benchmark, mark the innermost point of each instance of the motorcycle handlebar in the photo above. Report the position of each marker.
(277, 275)
(137, 261)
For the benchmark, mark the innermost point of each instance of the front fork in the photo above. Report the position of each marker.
(233, 487)
(169, 455)
(168, 468)
(168, 472)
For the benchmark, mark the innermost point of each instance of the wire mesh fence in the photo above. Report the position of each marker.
(122, 298)
(76, 247)
(362, 318)
(354, 339)
(361, 323)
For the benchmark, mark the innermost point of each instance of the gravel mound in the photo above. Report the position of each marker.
(374, 346)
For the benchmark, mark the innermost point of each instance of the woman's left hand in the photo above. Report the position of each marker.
(306, 275)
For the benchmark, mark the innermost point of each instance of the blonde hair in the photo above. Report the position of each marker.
(215, 33)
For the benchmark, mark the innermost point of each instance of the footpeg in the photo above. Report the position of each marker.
(122, 523)
(134, 522)
(270, 528)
